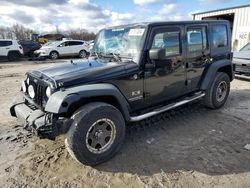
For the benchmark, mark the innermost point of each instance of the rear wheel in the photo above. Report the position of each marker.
(82, 54)
(218, 93)
(13, 56)
(54, 55)
(96, 134)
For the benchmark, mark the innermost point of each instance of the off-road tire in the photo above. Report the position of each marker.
(83, 119)
(54, 55)
(13, 56)
(210, 99)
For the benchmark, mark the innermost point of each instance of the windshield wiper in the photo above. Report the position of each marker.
(97, 54)
(116, 56)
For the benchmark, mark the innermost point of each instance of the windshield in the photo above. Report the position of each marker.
(246, 48)
(127, 42)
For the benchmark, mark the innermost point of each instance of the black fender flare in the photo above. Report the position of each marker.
(211, 71)
(60, 101)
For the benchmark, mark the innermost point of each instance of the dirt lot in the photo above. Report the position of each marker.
(194, 147)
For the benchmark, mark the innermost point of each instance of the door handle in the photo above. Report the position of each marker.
(7, 48)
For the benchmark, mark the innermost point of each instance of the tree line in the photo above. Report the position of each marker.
(19, 32)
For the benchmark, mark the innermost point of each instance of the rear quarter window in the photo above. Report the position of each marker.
(75, 43)
(5, 43)
(219, 36)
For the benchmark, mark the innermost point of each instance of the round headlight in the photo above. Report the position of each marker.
(48, 92)
(31, 91)
(24, 88)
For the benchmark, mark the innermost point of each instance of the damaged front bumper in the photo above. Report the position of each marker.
(42, 123)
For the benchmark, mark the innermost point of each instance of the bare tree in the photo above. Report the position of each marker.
(17, 31)
(21, 32)
(81, 35)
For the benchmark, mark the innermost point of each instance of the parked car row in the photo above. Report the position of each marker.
(14, 49)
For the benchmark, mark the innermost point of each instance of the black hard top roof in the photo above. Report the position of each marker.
(144, 24)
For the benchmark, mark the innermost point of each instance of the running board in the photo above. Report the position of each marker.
(167, 107)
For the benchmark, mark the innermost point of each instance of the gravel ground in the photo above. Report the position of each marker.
(190, 147)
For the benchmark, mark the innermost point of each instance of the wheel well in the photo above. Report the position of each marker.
(228, 70)
(54, 51)
(83, 50)
(107, 99)
(14, 51)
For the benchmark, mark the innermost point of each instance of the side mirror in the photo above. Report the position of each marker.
(157, 54)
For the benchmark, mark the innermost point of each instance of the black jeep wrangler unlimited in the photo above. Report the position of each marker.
(135, 71)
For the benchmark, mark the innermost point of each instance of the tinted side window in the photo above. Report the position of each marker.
(5, 43)
(169, 40)
(64, 44)
(219, 35)
(74, 43)
(196, 39)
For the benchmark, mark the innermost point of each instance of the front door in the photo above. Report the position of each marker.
(63, 48)
(166, 80)
(198, 55)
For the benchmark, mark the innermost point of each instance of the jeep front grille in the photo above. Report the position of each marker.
(39, 88)
(39, 97)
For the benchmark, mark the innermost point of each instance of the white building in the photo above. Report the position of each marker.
(239, 17)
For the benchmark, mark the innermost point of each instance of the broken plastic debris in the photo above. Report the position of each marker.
(247, 147)
(149, 141)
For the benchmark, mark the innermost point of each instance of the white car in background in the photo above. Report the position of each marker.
(10, 49)
(241, 60)
(91, 44)
(62, 48)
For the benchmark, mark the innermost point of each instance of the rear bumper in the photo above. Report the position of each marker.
(34, 120)
(245, 69)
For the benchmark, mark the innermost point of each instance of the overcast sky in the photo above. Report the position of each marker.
(44, 15)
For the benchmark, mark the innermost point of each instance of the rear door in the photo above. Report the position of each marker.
(197, 54)
(75, 47)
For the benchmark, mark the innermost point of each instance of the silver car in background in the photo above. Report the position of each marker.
(241, 60)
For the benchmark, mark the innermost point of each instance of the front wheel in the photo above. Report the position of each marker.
(96, 134)
(54, 55)
(217, 94)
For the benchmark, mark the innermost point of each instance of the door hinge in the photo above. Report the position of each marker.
(146, 94)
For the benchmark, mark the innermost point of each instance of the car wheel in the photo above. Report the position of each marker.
(82, 54)
(96, 133)
(218, 93)
(13, 56)
(54, 55)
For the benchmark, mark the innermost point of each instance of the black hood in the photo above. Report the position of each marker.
(83, 71)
